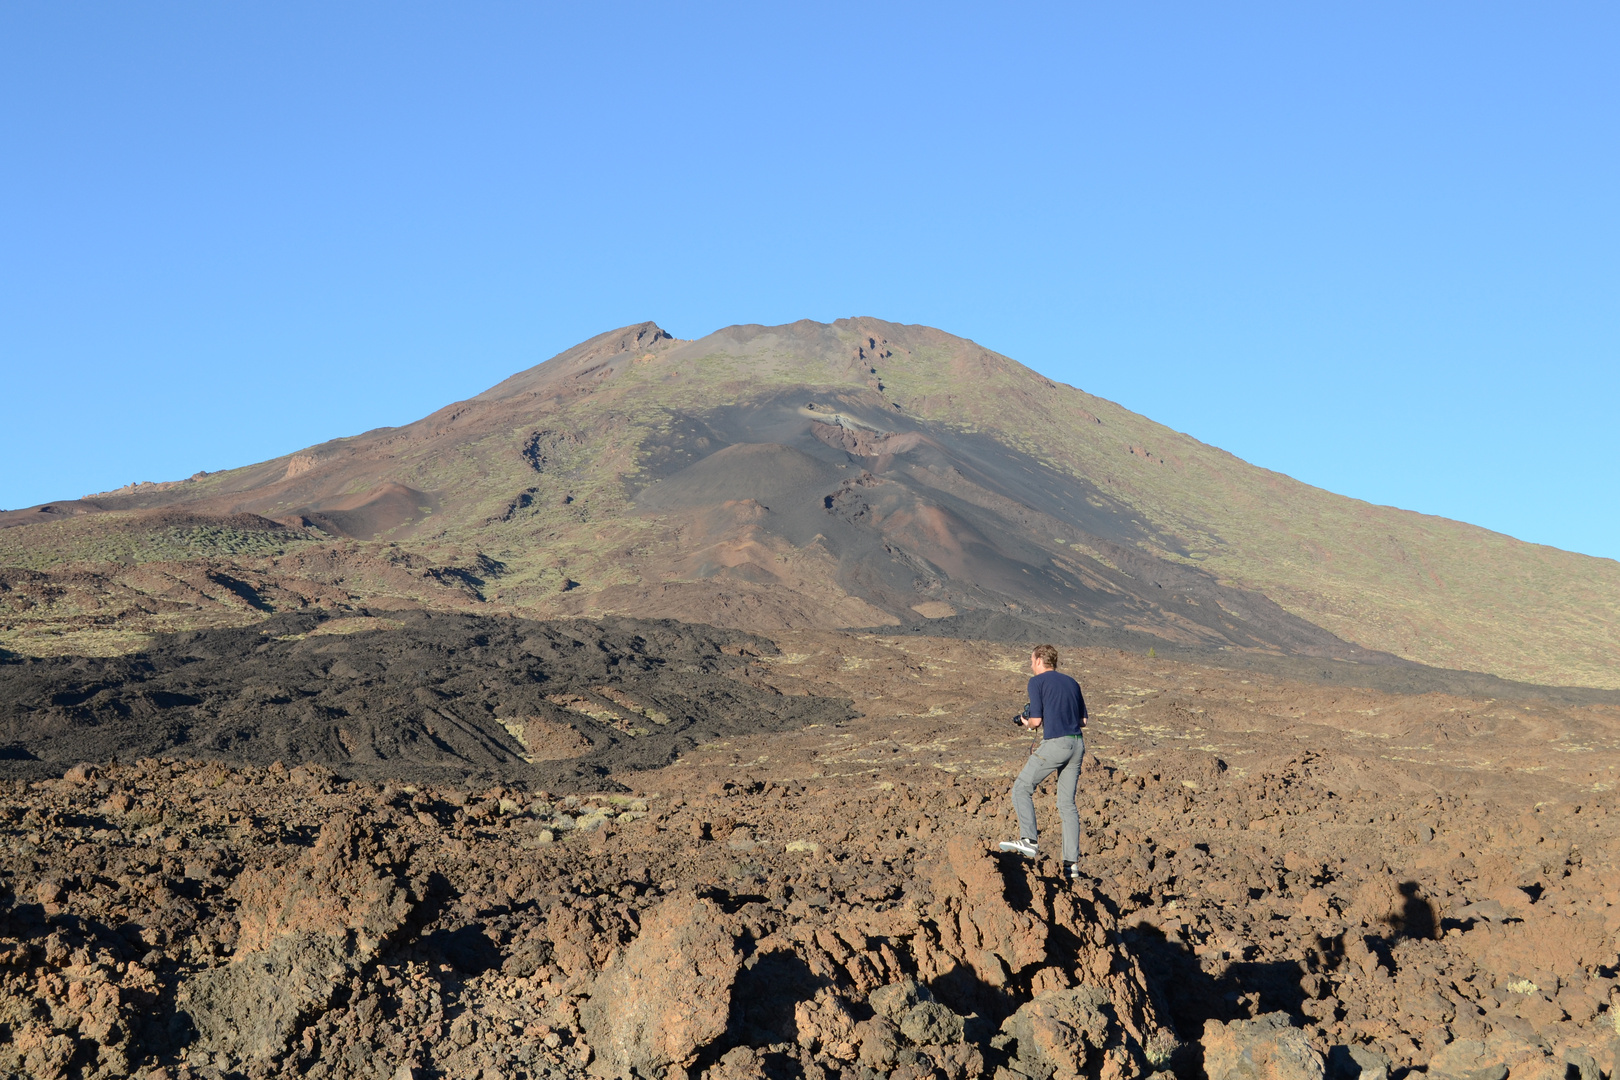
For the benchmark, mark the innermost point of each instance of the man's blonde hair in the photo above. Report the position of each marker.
(1046, 654)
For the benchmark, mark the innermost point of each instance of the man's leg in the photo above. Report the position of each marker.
(1039, 766)
(1068, 779)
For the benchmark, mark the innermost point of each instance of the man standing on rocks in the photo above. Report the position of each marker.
(1057, 707)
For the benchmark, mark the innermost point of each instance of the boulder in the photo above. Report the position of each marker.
(826, 1022)
(1266, 1048)
(1501, 1055)
(347, 887)
(1059, 1032)
(738, 1063)
(250, 1008)
(893, 1001)
(670, 993)
(879, 1042)
(1583, 1063)
(1539, 1067)
(931, 1024)
(996, 936)
(303, 927)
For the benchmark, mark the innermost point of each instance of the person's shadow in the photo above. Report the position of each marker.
(1417, 917)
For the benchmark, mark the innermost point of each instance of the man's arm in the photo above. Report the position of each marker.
(1033, 720)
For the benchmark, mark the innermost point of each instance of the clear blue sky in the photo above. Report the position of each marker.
(1374, 246)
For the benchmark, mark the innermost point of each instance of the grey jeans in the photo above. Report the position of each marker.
(1062, 756)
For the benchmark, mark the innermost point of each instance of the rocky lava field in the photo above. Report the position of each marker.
(1288, 878)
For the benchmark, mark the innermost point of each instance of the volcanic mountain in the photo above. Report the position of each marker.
(853, 474)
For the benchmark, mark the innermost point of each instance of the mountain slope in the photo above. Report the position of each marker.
(861, 473)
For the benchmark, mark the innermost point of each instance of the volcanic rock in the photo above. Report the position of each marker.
(1467, 1059)
(1266, 1048)
(1061, 1032)
(301, 929)
(1356, 1063)
(670, 994)
(417, 696)
(423, 929)
(1005, 928)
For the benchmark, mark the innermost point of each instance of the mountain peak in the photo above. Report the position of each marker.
(853, 473)
(638, 339)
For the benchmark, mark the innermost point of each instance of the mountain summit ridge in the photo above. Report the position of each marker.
(863, 473)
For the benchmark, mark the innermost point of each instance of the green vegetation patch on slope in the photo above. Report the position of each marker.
(134, 538)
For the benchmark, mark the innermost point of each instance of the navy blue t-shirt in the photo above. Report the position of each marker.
(1056, 699)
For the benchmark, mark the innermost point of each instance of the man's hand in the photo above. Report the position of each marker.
(1030, 721)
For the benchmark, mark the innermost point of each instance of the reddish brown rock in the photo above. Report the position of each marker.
(345, 888)
(670, 993)
(873, 884)
(1268, 1048)
(1061, 1032)
(1003, 918)
(302, 928)
(979, 923)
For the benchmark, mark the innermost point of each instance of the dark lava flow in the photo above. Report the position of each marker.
(426, 697)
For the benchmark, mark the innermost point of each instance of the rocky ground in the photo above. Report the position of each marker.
(1288, 880)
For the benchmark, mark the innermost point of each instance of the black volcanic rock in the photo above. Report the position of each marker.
(416, 696)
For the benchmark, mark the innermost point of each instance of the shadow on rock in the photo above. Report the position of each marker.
(467, 949)
(1195, 998)
(1417, 917)
(768, 993)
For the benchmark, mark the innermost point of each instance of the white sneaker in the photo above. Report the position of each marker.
(1026, 848)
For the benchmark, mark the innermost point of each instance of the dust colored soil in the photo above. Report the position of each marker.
(1283, 878)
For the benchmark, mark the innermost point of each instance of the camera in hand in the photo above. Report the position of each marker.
(1018, 721)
